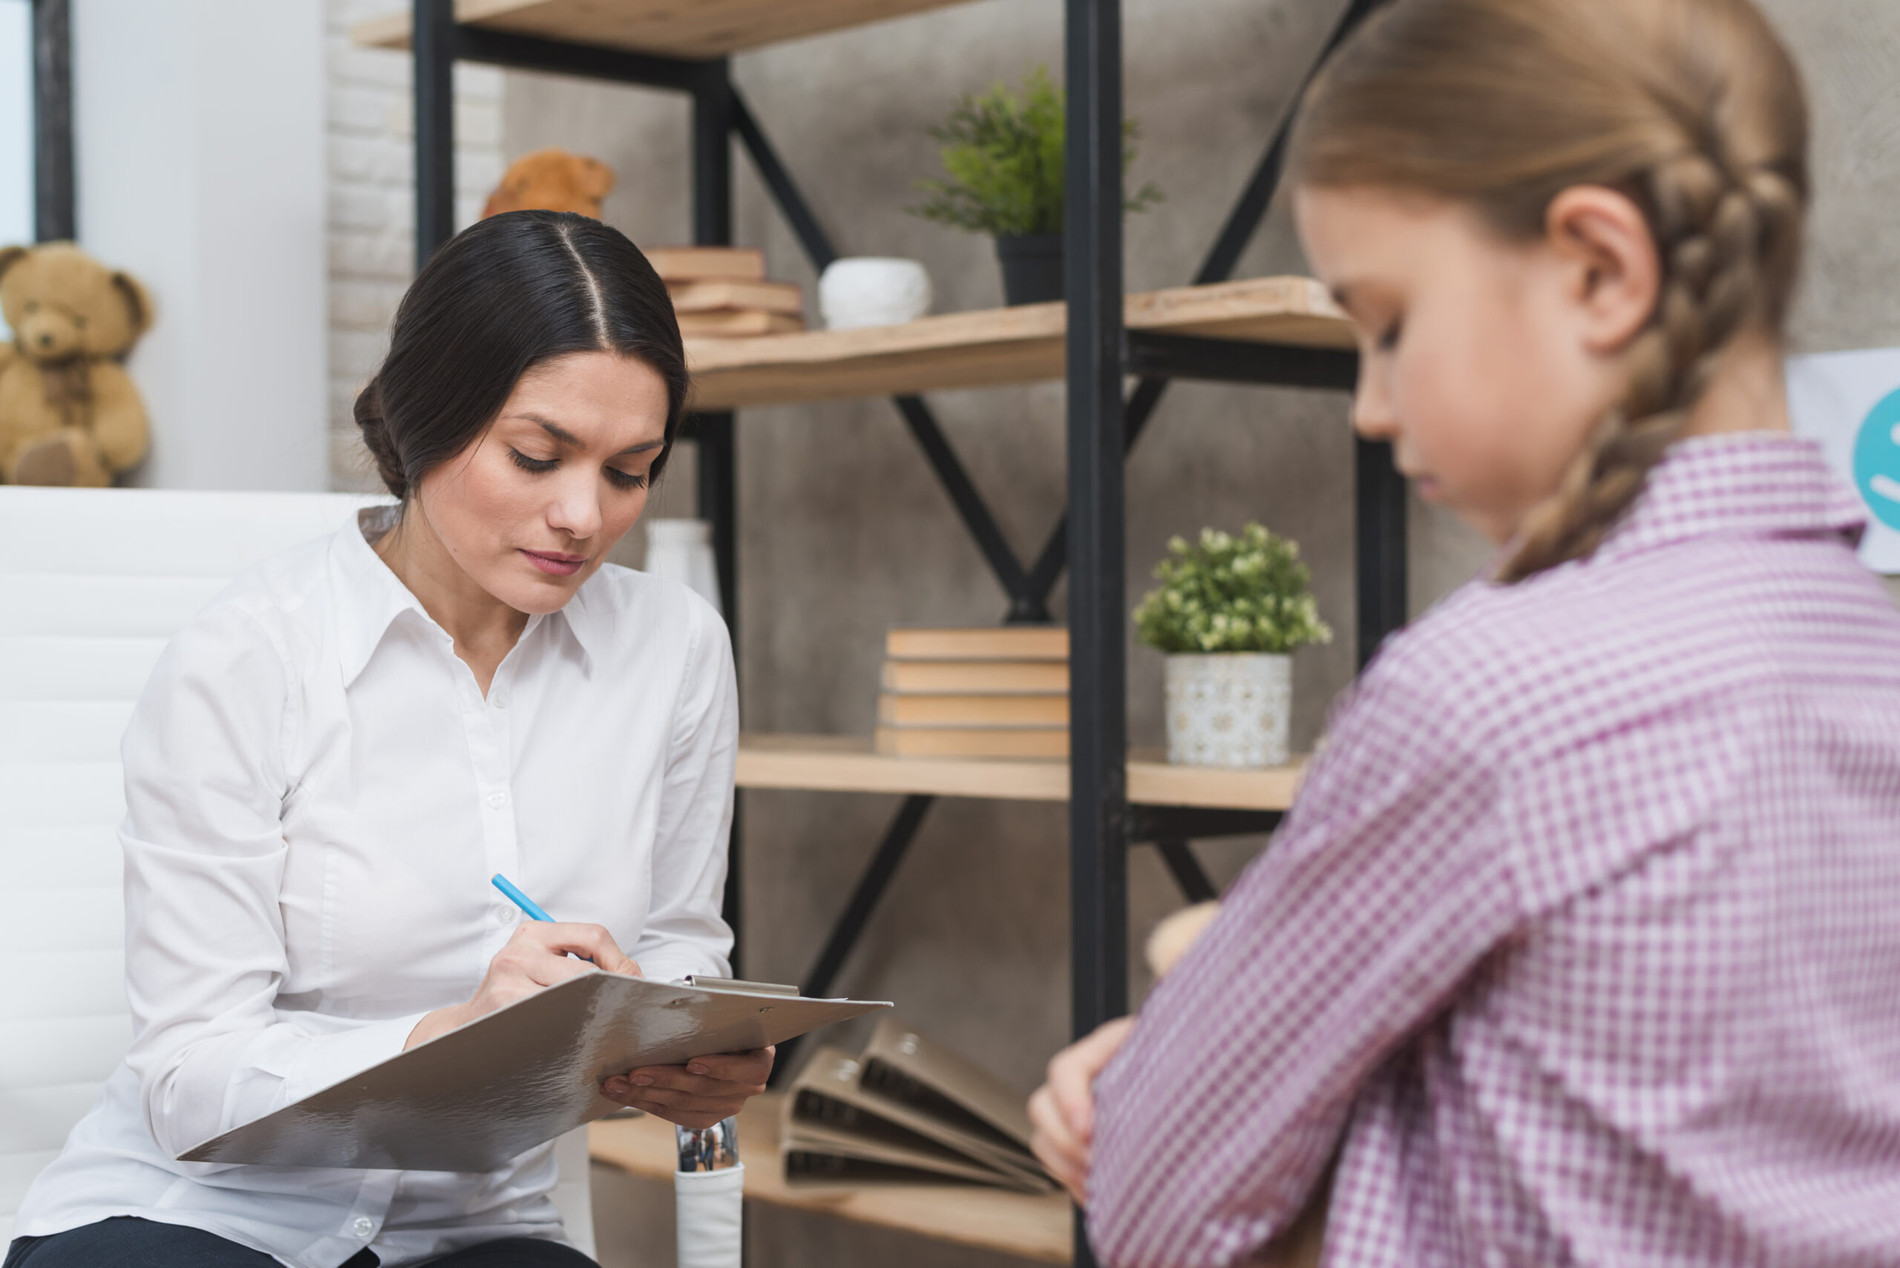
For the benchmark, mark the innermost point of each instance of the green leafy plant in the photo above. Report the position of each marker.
(1003, 154)
(1225, 593)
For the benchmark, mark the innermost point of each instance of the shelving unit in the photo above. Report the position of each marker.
(1269, 331)
(1020, 1224)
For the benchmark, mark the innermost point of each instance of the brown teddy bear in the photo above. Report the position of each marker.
(551, 180)
(68, 411)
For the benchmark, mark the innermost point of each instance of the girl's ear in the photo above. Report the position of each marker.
(1612, 269)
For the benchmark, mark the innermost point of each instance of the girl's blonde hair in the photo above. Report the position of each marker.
(1690, 107)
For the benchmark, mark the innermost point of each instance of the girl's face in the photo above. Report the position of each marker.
(530, 509)
(1485, 363)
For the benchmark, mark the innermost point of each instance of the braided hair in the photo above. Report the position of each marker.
(1692, 108)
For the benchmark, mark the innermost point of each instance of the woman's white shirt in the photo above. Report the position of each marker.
(317, 794)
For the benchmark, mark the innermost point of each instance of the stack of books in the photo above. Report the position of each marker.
(996, 692)
(906, 1110)
(721, 293)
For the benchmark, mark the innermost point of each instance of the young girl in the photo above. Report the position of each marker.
(1582, 945)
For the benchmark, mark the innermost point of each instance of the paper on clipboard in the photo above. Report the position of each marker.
(479, 1095)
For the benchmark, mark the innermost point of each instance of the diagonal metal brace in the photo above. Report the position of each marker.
(857, 912)
(950, 471)
(1196, 886)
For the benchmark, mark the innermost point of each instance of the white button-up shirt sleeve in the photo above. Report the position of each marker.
(684, 933)
(204, 869)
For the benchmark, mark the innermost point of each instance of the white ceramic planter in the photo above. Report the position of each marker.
(872, 291)
(1228, 709)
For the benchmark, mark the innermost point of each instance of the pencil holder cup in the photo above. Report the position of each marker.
(683, 550)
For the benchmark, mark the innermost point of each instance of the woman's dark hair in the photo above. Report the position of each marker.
(502, 296)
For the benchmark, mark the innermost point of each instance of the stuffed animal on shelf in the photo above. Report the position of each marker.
(69, 414)
(552, 180)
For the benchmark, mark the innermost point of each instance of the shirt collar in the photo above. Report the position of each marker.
(371, 599)
(1761, 484)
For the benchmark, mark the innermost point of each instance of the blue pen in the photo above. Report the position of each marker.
(520, 899)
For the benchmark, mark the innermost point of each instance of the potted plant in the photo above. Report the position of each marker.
(1003, 154)
(1227, 614)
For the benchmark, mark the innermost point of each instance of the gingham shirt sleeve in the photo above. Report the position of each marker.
(1386, 886)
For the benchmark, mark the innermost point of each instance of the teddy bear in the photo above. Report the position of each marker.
(69, 414)
(551, 180)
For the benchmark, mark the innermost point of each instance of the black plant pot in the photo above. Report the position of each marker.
(1032, 267)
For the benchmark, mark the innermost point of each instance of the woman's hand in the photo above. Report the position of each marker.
(697, 1094)
(1062, 1110)
(535, 958)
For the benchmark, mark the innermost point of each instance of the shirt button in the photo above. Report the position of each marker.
(499, 699)
(504, 915)
(497, 800)
(363, 1226)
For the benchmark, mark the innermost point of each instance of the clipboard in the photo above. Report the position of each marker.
(473, 1098)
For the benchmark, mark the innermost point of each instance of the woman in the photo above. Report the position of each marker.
(332, 760)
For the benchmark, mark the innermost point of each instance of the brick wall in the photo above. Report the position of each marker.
(372, 204)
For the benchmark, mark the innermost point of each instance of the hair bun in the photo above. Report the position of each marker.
(369, 418)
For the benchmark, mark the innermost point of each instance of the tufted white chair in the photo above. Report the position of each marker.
(93, 583)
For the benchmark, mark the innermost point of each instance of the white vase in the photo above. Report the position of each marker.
(682, 551)
(872, 291)
(1229, 709)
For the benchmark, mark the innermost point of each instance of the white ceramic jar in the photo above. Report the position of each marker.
(872, 291)
(682, 550)
(1228, 709)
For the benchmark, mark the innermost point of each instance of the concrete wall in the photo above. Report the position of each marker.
(199, 137)
(844, 531)
(370, 217)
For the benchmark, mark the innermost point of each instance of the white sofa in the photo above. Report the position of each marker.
(92, 585)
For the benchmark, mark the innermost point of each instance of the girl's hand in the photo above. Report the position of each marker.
(535, 958)
(697, 1094)
(1062, 1111)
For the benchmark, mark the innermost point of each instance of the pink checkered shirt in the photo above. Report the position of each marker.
(1583, 940)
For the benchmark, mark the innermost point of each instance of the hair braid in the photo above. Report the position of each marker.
(1693, 108)
(1713, 231)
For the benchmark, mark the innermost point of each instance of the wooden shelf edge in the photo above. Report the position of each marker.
(825, 763)
(996, 347)
(702, 29)
(1030, 1227)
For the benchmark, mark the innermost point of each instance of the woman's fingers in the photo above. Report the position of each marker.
(679, 1080)
(736, 1067)
(593, 942)
(740, 1069)
(687, 1108)
(697, 1094)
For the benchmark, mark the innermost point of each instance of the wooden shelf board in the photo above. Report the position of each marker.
(827, 763)
(995, 347)
(1012, 1223)
(695, 29)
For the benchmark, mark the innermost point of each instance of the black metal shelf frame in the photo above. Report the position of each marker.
(1102, 426)
(55, 216)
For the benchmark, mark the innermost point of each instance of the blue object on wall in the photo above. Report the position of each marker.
(1877, 460)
